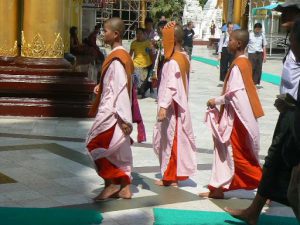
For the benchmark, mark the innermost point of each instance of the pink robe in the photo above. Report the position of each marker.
(115, 103)
(236, 104)
(172, 91)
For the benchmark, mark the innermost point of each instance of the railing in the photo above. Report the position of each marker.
(276, 41)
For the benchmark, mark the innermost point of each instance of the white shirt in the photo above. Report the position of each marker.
(256, 42)
(290, 76)
(224, 40)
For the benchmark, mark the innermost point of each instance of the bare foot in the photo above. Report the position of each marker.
(107, 192)
(204, 194)
(216, 194)
(125, 192)
(243, 215)
(166, 183)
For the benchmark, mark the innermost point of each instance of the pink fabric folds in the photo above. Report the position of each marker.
(137, 117)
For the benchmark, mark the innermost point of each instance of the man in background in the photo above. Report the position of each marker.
(188, 39)
(257, 52)
(225, 57)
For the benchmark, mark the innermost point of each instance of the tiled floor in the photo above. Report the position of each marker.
(47, 160)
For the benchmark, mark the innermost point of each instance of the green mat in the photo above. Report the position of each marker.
(211, 62)
(189, 217)
(48, 216)
(267, 77)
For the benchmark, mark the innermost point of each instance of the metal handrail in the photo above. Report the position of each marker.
(276, 41)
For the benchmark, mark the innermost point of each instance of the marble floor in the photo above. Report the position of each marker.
(43, 161)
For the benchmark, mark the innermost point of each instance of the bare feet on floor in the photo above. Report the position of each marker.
(125, 192)
(107, 192)
(243, 215)
(216, 194)
(166, 183)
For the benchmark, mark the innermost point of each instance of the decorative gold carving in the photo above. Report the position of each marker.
(9, 52)
(244, 5)
(39, 49)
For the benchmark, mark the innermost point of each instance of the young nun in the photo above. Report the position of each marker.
(235, 128)
(173, 138)
(108, 140)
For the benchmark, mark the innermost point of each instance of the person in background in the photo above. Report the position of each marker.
(224, 56)
(76, 48)
(159, 54)
(141, 50)
(162, 18)
(91, 40)
(257, 53)
(80, 53)
(189, 34)
(149, 31)
(212, 28)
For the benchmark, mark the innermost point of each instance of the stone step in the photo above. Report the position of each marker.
(45, 84)
(44, 92)
(40, 72)
(42, 107)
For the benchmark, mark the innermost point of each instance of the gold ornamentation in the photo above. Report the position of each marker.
(244, 5)
(11, 52)
(39, 49)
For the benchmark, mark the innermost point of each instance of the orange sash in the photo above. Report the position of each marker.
(169, 53)
(168, 41)
(125, 59)
(184, 66)
(245, 67)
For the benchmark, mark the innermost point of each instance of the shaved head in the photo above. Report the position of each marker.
(179, 34)
(116, 24)
(242, 36)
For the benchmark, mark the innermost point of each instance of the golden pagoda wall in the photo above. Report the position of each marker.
(42, 30)
(238, 11)
(76, 16)
(8, 28)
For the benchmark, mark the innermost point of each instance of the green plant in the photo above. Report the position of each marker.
(202, 2)
(172, 10)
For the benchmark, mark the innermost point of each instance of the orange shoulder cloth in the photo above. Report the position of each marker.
(126, 61)
(245, 67)
(184, 66)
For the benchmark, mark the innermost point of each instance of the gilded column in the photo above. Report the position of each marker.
(8, 28)
(244, 14)
(43, 29)
(67, 23)
(225, 10)
(76, 16)
(143, 12)
(237, 11)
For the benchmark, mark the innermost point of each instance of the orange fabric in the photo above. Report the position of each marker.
(105, 168)
(247, 172)
(168, 41)
(126, 61)
(246, 70)
(184, 66)
(171, 171)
